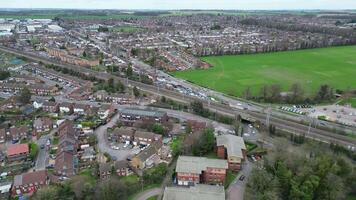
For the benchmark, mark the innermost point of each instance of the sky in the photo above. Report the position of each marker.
(182, 4)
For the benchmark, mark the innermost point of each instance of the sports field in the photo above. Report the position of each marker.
(310, 68)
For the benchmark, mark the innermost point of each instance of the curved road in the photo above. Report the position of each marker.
(149, 193)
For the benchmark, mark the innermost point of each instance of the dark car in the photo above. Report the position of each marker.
(242, 177)
(42, 146)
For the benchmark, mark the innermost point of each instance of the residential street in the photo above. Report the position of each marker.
(149, 193)
(237, 188)
(42, 157)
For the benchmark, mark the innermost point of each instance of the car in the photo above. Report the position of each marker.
(242, 177)
(42, 146)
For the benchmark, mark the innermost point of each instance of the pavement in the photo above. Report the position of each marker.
(103, 143)
(236, 189)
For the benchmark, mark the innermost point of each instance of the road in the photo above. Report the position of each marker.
(42, 157)
(236, 189)
(280, 122)
(149, 193)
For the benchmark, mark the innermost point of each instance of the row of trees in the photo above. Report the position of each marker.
(295, 95)
(84, 187)
(112, 87)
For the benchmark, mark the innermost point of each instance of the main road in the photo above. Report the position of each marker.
(281, 123)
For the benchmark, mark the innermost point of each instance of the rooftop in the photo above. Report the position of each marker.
(191, 164)
(17, 149)
(197, 192)
(233, 144)
(141, 112)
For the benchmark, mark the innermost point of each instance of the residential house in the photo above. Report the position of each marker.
(105, 170)
(191, 170)
(88, 154)
(66, 107)
(30, 182)
(122, 168)
(199, 191)
(43, 124)
(18, 133)
(80, 109)
(232, 148)
(106, 111)
(123, 134)
(143, 137)
(50, 107)
(140, 160)
(37, 104)
(65, 164)
(17, 152)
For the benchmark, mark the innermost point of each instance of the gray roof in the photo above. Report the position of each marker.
(191, 164)
(233, 144)
(141, 112)
(197, 192)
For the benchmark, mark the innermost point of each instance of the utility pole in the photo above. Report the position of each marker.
(268, 116)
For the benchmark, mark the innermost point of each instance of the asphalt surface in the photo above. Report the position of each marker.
(43, 155)
(149, 193)
(103, 143)
(236, 189)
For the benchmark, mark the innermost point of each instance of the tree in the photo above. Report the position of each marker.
(4, 75)
(275, 93)
(33, 150)
(46, 193)
(296, 93)
(247, 93)
(25, 96)
(136, 92)
(52, 99)
(111, 189)
(129, 71)
(84, 54)
(264, 93)
(205, 144)
(158, 129)
(324, 93)
(156, 174)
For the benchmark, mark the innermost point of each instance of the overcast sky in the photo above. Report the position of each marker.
(181, 4)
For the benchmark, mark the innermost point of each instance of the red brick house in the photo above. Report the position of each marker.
(192, 170)
(43, 124)
(122, 168)
(51, 107)
(143, 137)
(65, 164)
(17, 152)
(28, 183)
(18, 133)
(232, 148)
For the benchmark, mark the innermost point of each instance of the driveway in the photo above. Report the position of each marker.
(103, 143)
(237, 188)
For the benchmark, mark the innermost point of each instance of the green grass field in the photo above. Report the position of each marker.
(350, 101)
(310, 68)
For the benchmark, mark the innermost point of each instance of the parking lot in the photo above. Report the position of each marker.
(341, 114)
